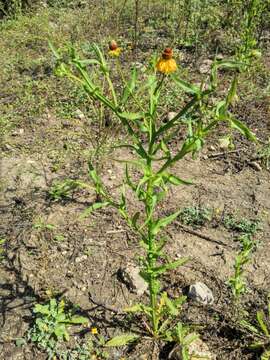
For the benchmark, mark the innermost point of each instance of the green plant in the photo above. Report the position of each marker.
(247, 49)
(195, 215)
(237, 281)
(149, 141)
(63, 189)
(40, 224)
(243, 226)
(51, 325)
(261, 332)
(264, 154)
(183, 336)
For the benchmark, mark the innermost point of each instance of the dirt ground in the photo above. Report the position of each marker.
(80, 257)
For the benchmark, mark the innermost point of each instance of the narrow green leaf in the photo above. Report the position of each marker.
(170, 266)
(79, 320)
(260, 319)
(53, 49)
(130, 115)
(187, 87)
(161, 223)
(175, 180)
(130, 86)
(121, 340)
(249, 326)
(94, 207)
(243, 129)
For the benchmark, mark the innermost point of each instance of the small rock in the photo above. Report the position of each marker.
(17, 132)
(80, 259)
(201, 293)
(8, 147)
(197, 350)
(79, 114)
(211, 148)
(170, 116)
(131, 276)
(205, 66)
(256, 166)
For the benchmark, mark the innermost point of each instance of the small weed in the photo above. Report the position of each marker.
(243, 226)
(237, 281)
(64, 189)
(261, 332)
(264, 155)
(195, 216)
(51, 325)
(40, 224)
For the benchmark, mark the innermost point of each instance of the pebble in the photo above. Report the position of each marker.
(256, 166)
(131, 276)
(201, 293)
(197, 350)
(80, 259)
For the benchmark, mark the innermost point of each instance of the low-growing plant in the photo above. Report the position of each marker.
(261, 332)
(195, 215)
(243, 226)
(51, 325)
(237, 281)
(64, 189)
(135, 105)
(264, 154)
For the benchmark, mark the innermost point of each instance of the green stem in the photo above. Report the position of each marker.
(151, 260)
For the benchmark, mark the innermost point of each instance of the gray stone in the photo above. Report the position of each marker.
(197, 350)
(131, 276)
(201, 293)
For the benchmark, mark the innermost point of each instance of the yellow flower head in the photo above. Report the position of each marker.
(166, 64)
(94, 331)
(114, 50)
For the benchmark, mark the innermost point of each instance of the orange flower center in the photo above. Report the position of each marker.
(113, 45)
(167, 53)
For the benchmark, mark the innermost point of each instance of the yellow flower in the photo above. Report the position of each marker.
(166, 63)
(94, 331)
(114, 50)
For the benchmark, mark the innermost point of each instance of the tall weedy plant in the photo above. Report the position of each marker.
(137, 108)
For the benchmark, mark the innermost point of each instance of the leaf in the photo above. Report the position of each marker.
(229, 64)
(243, 129)
(170, 266)
(265, 355)
(161, 223)
(137, 308)
(130, 115)
(170, 306)
(94, 207)
(79, 320)
(121, 340)
(130, 86)
(260, 319)
(249, 326)
(54, 51)
(187, 87)
(190, 338)
(175, 180)
(20, 342)
(61, 332)
(42, 309)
